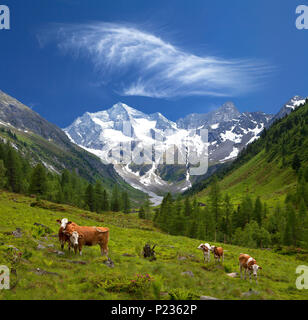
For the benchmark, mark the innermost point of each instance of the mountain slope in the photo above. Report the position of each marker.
(44, 142)
(266, 167)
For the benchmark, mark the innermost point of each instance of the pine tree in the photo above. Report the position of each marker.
(306, 174)
(187, 207)
(147, 209)
(115, 201)
(177, 226)
(290, 235)
(65, 178)
(125, 202)
(2, 174)
(2, 152)
(215, 201)
(226, 225)
(105, 201)
(13, 166)
(193, 222)
(302, 221)
(247, 209)
(98, 196)
(38, 184)
(141, 213)
(257, 212)
(296, 162)
(90, 198)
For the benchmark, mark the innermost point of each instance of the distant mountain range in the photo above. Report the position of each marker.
(229, 131)
(81, 146)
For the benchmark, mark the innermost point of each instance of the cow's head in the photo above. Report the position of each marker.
(212, 248)
(204, 246)
(74, 238)
(64, 222)
(254, 268)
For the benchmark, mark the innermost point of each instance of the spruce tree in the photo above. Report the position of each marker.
(141, 213)
(90, 198)
(38, 184)
(125, 202)
(115, 201)
(2, 174)
(257, 212)
(13, 166)
(98, 196)
(302, 222)
(187, 207)
(105, 201)
(290, 236)
(215, 201)
(226, 225)
(296, 162)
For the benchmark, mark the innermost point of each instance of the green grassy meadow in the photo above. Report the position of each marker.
(257, 177)
(64, 277)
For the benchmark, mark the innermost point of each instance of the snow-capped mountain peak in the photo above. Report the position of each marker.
(291, 105)
(295, 102)
(229, 132)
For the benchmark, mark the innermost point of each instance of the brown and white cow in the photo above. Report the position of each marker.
(87, 236)
(206, 249)
(249, 264)
(218, 253)
(63, 237)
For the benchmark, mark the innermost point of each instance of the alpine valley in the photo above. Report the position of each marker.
(229, 132)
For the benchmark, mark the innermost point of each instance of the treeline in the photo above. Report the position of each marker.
(19, 176)
(250, 223)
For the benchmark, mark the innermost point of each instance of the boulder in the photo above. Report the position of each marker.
(17, 233)
(208, 298)
(187, 273)
(182, 258)
(41, 272)
(233, 274)
(109, 263)
(128, 255)
(250, 293)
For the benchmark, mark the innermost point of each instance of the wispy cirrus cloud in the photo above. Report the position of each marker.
(138, 63)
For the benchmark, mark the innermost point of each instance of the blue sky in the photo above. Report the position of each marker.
(66, 57)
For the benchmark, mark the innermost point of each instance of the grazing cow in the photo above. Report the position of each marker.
(206, 248)
(74, 240)
(63, 237)
(218, 253)
(87, 236)
(249, 264)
